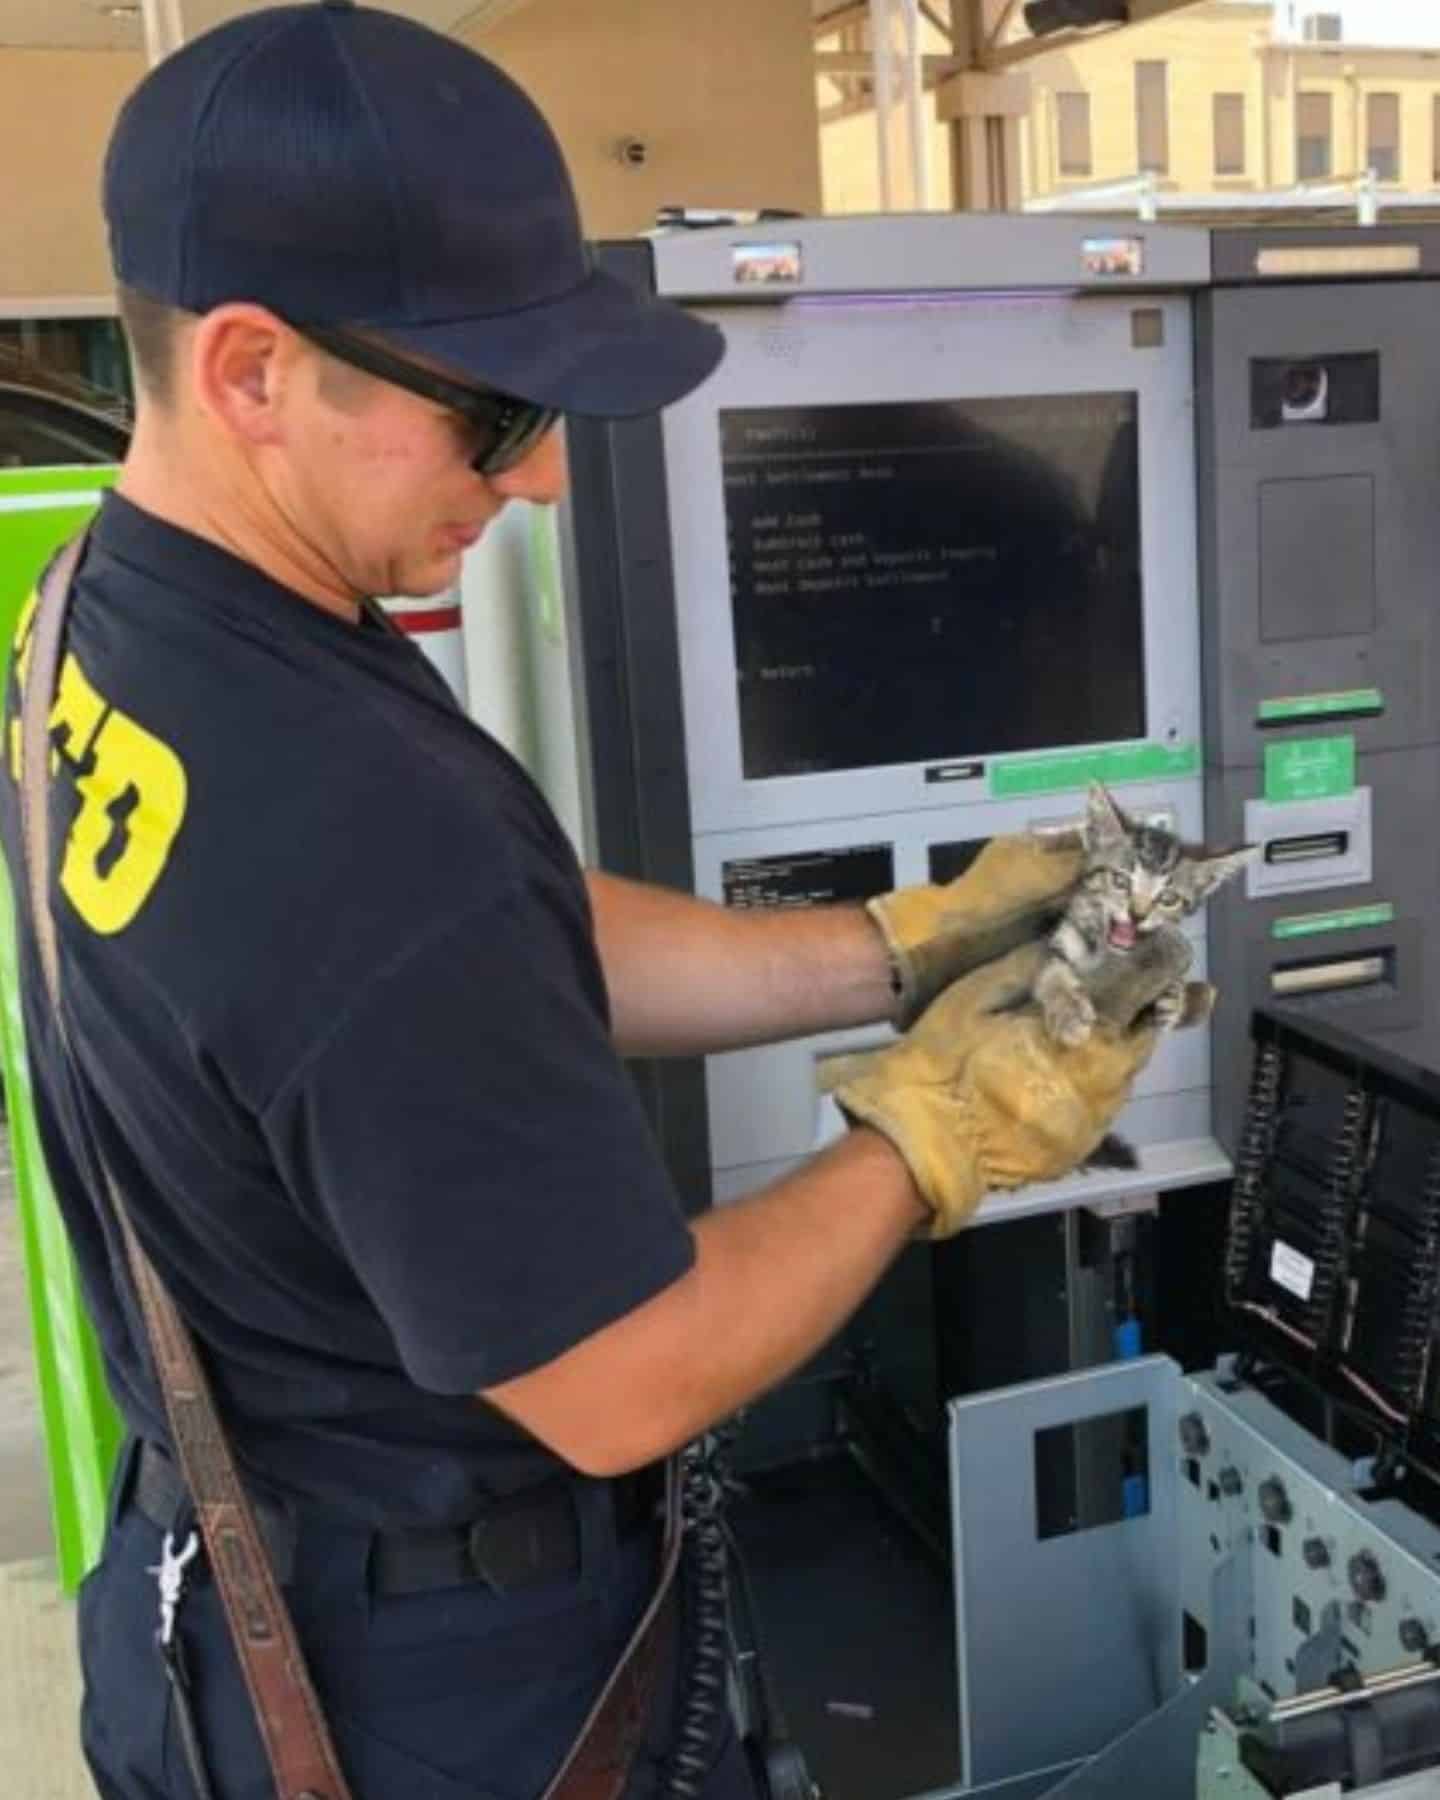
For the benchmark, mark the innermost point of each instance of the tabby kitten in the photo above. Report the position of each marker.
(1122, 923)
(1121, 929)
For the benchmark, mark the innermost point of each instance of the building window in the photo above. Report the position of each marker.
(1313, 154)
(1229, 134)
(1324, 28)
(1072, 112)
(1382, 135)
(1435, 140)
(1152, 118)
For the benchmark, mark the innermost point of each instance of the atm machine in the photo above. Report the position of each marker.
(975, 510)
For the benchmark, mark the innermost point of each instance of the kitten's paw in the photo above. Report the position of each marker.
(1199, 1003)
(1171, 1005)
(1069, 1017)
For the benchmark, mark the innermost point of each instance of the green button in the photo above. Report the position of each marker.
(1319, 706)
(1310, 768)
(1352, 918)
(1018, 775)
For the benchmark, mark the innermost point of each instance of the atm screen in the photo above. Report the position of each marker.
(921, 580)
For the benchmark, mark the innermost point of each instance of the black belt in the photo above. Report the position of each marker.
(515, 1542)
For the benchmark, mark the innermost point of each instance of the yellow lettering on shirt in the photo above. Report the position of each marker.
(23, 636)
(75, 717)
(132, 806)
(131, 785)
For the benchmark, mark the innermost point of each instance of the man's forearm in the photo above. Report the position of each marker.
(775, 1277)
(687, 977)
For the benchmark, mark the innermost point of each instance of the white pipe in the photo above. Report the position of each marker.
(164, 29)
(915, 108)
(899, 77)
(880, 53)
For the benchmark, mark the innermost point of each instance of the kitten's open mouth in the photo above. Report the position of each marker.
(1123, 934)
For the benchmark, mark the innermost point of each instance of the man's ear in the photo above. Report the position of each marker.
(241, 358)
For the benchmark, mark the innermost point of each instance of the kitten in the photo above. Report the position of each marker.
(1121, 927)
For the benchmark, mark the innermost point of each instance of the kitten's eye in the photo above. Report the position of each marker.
(1170, 897)
(1120, 881)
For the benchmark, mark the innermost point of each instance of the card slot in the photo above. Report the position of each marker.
(1300, 1227)
(1388, 1327)
(1393, 1238)
(1304, 1200)
(1291, 1269)
(1402, 1208)
(1312, 1150)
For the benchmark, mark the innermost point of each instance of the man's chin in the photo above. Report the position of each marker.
(436, 575)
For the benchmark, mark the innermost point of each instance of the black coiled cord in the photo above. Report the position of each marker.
(710, 1554)
(706, 1574)
(1257, 1137)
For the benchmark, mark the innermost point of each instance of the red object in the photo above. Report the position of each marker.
(436, 618)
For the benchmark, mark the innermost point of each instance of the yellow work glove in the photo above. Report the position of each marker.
(977, 1100)
(1014, 890)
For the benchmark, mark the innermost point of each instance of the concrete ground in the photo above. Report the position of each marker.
(39, 1678)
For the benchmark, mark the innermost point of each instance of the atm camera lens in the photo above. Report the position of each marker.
(1304, 392)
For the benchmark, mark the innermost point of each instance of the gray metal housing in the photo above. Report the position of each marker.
(1258, 1543)
(870, 310)
(1319, 554)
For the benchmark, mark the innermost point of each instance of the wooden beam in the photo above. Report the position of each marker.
(841, 62)
(856, 13)
(1002, 25)
(942, 25)
(1023, 49)
(858, 106)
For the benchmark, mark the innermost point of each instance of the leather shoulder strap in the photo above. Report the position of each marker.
(42, 666)
(292, 1725)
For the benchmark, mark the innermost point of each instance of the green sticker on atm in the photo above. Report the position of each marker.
(1351, 918)
(1016, 775)
(1319, 706)
(1310, 768)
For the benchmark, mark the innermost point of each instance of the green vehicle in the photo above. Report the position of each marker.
(57, 454)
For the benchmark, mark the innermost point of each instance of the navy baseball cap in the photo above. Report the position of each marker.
(341, 165)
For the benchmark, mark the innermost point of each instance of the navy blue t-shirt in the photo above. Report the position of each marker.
(331, 984)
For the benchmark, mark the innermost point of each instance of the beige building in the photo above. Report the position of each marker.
(1182, 98)
(1205, 99)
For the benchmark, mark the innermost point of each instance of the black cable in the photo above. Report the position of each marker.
(707, 1592)
(711, 1554)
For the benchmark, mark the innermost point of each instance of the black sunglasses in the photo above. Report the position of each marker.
(509, 429)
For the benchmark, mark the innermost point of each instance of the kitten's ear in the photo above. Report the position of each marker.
(1105, 824)
(1211, 872)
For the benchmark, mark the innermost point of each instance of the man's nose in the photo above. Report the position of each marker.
(540, 477)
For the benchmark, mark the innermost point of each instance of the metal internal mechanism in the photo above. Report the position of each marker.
(1267, 1622)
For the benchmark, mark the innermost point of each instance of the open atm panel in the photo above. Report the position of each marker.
(1333, 1259)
